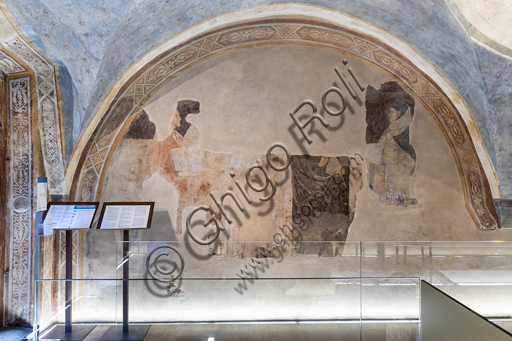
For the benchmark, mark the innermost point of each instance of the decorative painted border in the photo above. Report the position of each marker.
(20, 276)
(9, 65)
(50, 123)
(161, 70)
(43, 99)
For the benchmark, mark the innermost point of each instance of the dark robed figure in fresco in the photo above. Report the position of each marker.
(321, 196)
(322, 180)
(391, 158)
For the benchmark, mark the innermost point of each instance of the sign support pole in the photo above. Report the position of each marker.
(68, 332)
(133, 332)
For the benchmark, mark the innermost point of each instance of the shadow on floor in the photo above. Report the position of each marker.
(14, 333)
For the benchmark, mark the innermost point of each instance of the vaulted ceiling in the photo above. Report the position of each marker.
(97, 41)
(491, 18)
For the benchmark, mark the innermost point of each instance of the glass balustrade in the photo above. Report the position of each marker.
(358, 290)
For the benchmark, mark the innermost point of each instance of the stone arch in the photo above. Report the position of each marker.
(287, 24)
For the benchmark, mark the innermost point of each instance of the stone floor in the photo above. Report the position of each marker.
(384, 331)
(14, 333)
(276, 331)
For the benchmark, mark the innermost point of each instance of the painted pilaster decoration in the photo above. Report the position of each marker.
(19, 280)
(48, 111)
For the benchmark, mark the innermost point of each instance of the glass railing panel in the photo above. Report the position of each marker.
(228, 259)
(94, 255)
(92, 302)
(478, 274)
(209, 300)
(390, 309)
(284, 285)
(428, 259)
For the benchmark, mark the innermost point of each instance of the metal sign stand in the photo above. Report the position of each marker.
(68, 332)
(128, 332)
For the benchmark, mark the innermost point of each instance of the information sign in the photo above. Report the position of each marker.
(126, 215)
(71, 215)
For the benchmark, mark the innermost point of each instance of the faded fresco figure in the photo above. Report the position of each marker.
(391, 158)
(324, 193)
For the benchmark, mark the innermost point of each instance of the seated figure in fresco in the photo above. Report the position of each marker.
(398, 159)
(392, 159)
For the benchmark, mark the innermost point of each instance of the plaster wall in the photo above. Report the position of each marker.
(245, 97)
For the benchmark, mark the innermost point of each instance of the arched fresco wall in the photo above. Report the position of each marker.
(132, 147)
(238, 105)
(86, 183)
